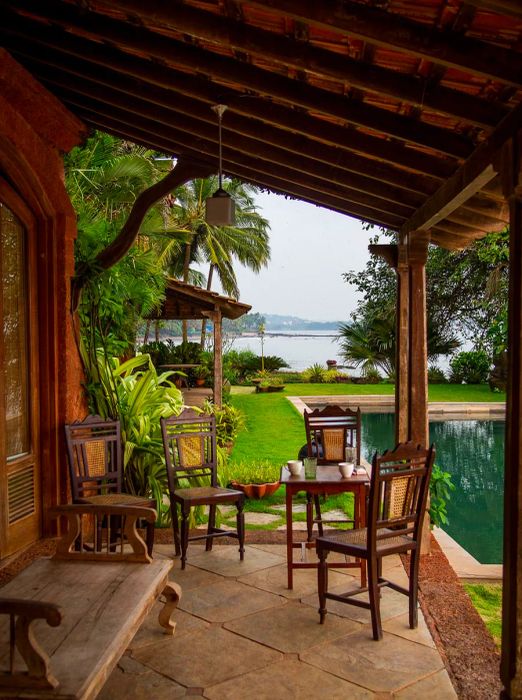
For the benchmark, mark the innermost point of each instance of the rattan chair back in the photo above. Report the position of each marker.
(94, 456)
(330, 430)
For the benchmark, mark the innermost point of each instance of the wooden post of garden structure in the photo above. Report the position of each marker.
(402, 344)
(510, 667)
(218, 359)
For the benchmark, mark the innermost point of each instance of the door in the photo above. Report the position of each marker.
(20, 508)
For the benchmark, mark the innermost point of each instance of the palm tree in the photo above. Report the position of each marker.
(370, 342)
(219, 246)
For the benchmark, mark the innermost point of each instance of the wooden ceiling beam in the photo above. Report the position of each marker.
(512, 8)
(476, 172)
(391, 30)
(234, 157)
(287, 123)
(289, 145)
(252, 41)
(272, 183)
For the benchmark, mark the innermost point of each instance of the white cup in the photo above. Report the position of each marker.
(294, 466)
(346, 469)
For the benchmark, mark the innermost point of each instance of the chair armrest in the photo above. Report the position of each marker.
(111, 526)
(22, 614)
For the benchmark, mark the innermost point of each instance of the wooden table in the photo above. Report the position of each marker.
(328, 480)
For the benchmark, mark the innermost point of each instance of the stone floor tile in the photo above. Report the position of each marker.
(227, 600)
(192, 576)
(261, 518)
(336, 514)
(275, 580)
(400, 626)
(224, 560)
(291, 628)
(296, 508)
(392, 603)
(279, 549)
(206, 657)
(289, 679)
(296, 527)
(435, 687)
(384, 666)
(151, 631)
(133, 681)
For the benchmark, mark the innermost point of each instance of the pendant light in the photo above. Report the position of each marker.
(220, 208)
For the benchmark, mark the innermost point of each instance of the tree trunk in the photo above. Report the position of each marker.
(204, 321)
(157, 331)
(186, 265)
(147, 332)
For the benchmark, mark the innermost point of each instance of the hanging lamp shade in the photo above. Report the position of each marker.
(220, 209)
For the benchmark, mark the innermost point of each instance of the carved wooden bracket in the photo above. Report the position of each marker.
(23, 614)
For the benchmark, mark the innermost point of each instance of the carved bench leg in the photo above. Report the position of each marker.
(172, 593)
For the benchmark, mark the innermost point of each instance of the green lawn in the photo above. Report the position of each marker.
(436, 392)
(487, 599)
(275, 429)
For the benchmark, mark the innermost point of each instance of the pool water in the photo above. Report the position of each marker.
(473, 452)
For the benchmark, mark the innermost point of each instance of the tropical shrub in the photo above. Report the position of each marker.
(316, 374)
(371, 376)
(162, 352)
(470, 367)
(134, 393)
(229, 422)
(441, 487)
(436, 375)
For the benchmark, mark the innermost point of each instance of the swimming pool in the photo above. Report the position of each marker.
(473, 452)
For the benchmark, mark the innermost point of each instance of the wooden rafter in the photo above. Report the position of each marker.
(504, 7)
(236, 36)
(478, 170)
(352, 19)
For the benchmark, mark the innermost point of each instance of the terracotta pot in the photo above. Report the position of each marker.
(200, 381)
(256, 490)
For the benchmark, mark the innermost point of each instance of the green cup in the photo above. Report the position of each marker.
(310, 467)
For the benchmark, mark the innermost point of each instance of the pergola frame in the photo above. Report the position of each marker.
(408, 117)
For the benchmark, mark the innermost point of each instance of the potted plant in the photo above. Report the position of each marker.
(256, 479)
(269, 382)
(201, 375)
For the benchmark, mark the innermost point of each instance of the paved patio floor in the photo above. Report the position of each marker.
(242, 634)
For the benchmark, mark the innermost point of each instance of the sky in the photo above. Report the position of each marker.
(310, 249)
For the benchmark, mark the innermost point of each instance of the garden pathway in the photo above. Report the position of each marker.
(241, 633)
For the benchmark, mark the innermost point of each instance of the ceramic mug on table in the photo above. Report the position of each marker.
(294, 466)
(346, 469)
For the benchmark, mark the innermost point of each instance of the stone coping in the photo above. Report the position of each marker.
(467, 568)
(378, 403)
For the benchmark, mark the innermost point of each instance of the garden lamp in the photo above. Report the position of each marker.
(220, 208)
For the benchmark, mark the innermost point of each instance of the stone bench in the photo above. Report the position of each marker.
(65, 621)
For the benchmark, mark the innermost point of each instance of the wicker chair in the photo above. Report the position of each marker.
(329, 431)
(398, 495)
(95, 467)
(189, 442)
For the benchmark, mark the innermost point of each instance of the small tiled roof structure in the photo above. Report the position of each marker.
(185, 301)
(391, 112)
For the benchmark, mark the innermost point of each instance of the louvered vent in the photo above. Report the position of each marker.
(20, 494)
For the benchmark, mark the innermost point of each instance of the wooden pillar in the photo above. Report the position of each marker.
(418, 341)
(511, 666)
(402, 346)
(218, 359)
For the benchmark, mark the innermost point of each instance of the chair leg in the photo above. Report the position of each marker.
(185, 512)
(318, 515)
(322, 583)
(211, 527)
(309, 517)
(375, 603)
(175, 526)
(414, 588)
(240, 520)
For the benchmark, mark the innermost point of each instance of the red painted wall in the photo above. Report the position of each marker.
(35, 129)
